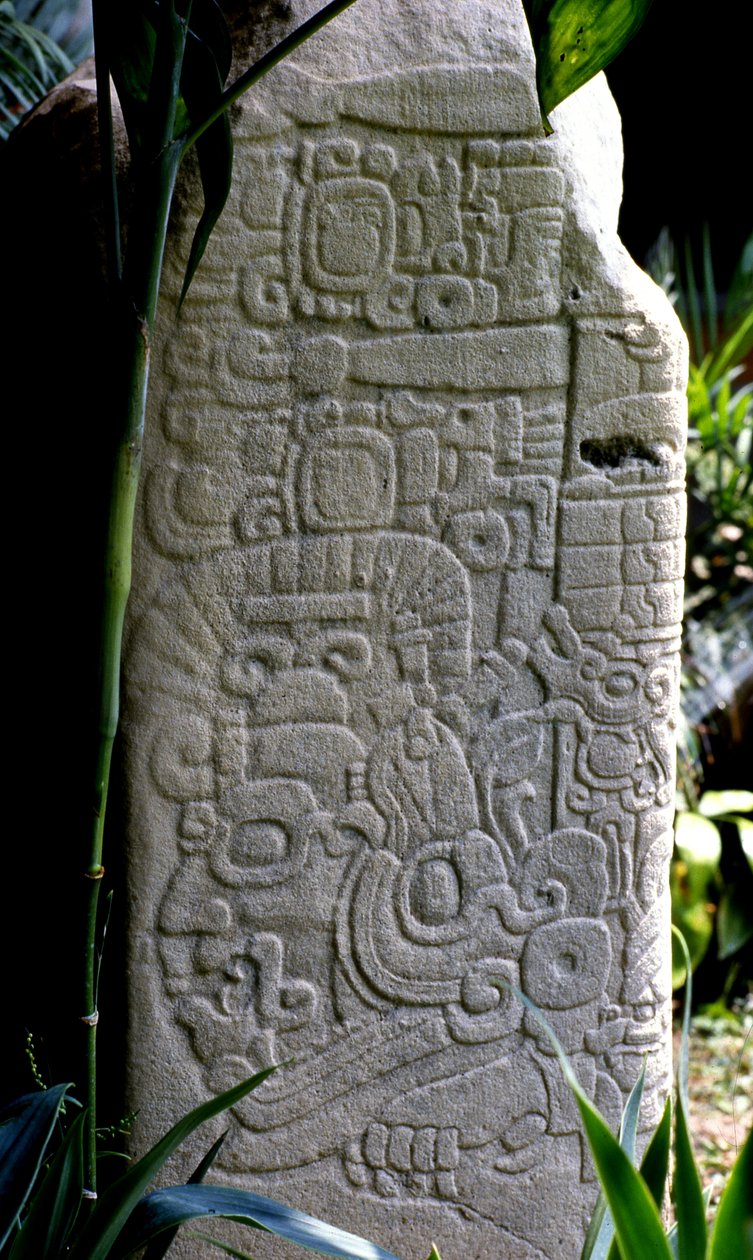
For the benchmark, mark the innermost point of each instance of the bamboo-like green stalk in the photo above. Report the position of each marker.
(132, 326)
(134, 294)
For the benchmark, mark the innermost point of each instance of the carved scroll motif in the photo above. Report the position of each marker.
(423, 661)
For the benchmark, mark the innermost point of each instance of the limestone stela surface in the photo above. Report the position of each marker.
(403, 662)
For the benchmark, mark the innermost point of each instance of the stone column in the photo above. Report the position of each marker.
(403, 658)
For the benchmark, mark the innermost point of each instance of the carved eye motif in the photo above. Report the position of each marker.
(435, 892)
(566, 964)
(620, 684)
(257, 843)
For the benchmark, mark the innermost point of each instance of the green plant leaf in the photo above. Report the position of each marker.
(55, 1205)
(208, 25)
(601, 1228)
(638, 1226)
(698, 839)
(26, 1126)
(161, 1245)
(215, 154)
(740, 293)
(205, 68)
(574, 39)
(732, 1233)
(116, 1204)
(130, 43)
(682, 1065)
(164, 1209)
(687, 1194)
(654, 1167)
(717, 804)
(734, 920)
(655, 1162)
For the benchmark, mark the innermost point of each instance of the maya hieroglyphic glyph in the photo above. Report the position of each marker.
(418, 525)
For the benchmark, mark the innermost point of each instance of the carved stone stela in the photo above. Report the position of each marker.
(402, 686)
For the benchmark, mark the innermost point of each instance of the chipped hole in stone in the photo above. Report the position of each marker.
(426, 321)
(616, 452)
(575, 293)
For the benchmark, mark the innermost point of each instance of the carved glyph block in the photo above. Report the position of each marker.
(403, 656)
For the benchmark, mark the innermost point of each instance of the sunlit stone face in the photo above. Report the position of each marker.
(402, 672)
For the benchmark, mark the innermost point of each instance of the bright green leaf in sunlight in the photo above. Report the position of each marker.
(574, 39)
(698, 840)
(716, 804)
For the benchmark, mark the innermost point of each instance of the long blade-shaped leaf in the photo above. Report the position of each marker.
(638, 1225)
(687, 1194)
(654, 1167)
(682, 1067)
(129, 37)
(202, 84)
(56, 1204)
(176, 1204)
(637, 1222)
(25, 1129)
(655, 1162)
(601, 1229)
(215, 154)
(117, 1203)
(574, 39)
(159, 1248)
(732, 1235)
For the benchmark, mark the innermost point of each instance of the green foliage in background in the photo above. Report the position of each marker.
(711, 879)
(720, 420)
(30, 64)
(40, 43)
